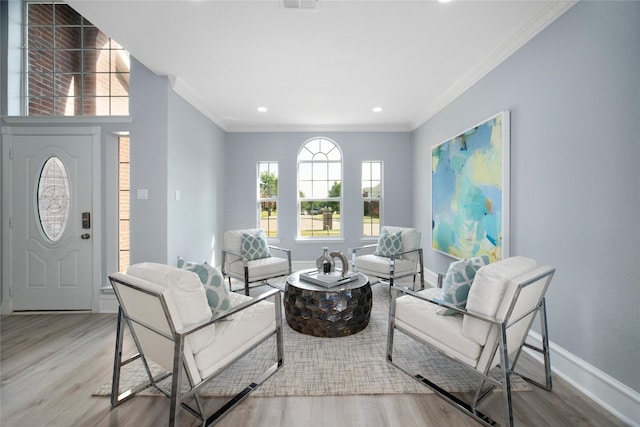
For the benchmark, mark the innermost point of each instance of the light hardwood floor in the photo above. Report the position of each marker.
(51, 363)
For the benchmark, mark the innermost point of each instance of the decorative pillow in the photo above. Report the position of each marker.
(389, 244)
(457, 282)
(213, 282)
(255, 246)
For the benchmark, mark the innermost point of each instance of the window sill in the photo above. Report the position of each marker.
(66, 119)
(320, 240)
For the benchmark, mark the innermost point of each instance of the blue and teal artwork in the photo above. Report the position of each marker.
(469, 189)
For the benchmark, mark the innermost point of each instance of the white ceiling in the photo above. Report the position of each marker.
(320, 70)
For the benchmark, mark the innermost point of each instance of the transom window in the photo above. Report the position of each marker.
(72, 68)
(268, 198)
(371, 198)
(320, 189)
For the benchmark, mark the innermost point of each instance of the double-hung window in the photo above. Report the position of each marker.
(371, 198)
(319, 189)
(268, 198)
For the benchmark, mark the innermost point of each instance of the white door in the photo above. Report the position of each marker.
(51, 218)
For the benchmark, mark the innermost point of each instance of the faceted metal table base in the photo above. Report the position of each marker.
(336, 312)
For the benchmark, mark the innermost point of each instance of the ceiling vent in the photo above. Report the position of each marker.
(300, 4)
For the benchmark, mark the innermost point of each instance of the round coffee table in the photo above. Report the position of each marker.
(327, 312)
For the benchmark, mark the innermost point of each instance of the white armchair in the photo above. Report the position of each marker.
(397, 254)
(249, 258)
(166, 311)
(490, 331)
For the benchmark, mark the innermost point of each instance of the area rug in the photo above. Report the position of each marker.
(350, 365)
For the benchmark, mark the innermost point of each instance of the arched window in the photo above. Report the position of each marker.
(319, 189)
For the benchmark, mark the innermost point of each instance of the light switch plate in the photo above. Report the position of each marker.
(143, 194)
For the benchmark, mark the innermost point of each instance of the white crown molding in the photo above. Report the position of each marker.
(495, 58)
(391, 127)
(189, 95)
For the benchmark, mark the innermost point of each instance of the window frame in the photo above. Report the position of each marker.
(337, 160)
(89, 102)
(124, 202)
(368, 198)
(268, 199)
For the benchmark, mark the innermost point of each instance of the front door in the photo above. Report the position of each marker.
(51, 217)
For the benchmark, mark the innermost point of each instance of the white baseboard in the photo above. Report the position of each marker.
(606, 391)
(431, 277)
(7, 306)
(108, 303)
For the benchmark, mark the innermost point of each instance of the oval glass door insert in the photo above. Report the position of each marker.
(53, 198)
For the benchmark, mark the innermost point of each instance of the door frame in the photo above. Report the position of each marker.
(7, 133)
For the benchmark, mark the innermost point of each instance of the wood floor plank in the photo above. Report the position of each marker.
(51, 363)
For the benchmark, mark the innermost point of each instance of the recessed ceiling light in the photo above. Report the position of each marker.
(444, 1)
(262, 109)
(377, 109)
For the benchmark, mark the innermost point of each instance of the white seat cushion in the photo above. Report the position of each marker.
(379, 266)
(234, 337)
(445, 332)
(262, 268)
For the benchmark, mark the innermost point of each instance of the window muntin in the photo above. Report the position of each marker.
(268, 198)
(371, 198)
(72, 68)
(320, 189)
(53, 198)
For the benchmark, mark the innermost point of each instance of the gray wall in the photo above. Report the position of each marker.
(196, 169)
(173, 148)
(574, 96)
(244, 150)
(149, 107)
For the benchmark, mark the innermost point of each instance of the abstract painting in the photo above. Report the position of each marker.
(470, 191)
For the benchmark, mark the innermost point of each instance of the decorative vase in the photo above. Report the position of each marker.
(343, 260)
(325, 263)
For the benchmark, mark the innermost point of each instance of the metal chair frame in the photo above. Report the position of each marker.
(507, 368)
(179, 397)
(246, 279)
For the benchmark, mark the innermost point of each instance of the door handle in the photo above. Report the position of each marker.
(85, 236)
